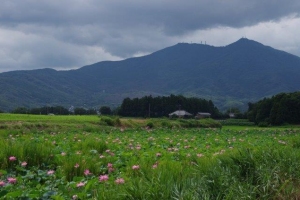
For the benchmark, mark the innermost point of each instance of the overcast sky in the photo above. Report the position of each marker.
(68, 34)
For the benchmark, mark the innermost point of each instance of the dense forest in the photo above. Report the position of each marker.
(280, 109)
(162, 106)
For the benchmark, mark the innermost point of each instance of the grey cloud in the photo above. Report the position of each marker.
(173, 16)
(73, 33)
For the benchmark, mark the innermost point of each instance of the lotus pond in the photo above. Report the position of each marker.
(142, 163)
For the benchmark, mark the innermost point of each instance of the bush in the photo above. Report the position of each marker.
(105, 110)
(237, 122)
(263, 124)
(110, 121)
(150, 124)
(166, 124)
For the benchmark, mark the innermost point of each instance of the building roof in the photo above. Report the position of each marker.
(180, 113)
(204, 114)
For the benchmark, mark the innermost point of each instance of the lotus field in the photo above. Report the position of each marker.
(67, 159)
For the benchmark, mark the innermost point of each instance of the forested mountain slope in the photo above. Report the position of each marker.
(230, 76)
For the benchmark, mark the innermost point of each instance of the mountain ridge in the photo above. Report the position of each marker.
(231, 75)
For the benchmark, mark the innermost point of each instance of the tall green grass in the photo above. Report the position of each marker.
(174, 162)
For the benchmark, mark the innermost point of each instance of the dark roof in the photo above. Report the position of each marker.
(180, 113)
(204, 114)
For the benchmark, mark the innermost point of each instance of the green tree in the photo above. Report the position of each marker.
(79, 111)
(162, 106)
(281, 108)
(21, 110)
(105, 110)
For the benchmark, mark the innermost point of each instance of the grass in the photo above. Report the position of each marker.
(175, 162)
(19, 123)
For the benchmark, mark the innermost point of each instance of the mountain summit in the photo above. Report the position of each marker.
(232, 75)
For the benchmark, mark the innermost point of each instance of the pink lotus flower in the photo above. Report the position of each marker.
(120, 181)
(111, 169)
(24, 164)
(11, 180)
(109, 165)
(154, 166)
(2, 183)
(199, 155)
(12, 158)
(50, 172)
(158, 154)
(74, 197)
(101, 156)
(103, 178)
(135, 167)
(111, 153)
(77, 165)
(87, 172)
(138, 147)
(80, 184)
(63, 153)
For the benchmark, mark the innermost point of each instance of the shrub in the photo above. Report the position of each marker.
(105, 110)
(263, 124)
(166, 124)
(150, 124)
(110, 121)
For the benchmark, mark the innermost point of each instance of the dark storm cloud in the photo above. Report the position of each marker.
(70, 33)
(174, 16)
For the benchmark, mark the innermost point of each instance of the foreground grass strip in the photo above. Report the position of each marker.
(158, 163)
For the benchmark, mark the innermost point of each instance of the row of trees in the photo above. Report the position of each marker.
(60, 110)
(281, 108)
(149, 106)
(57, 110)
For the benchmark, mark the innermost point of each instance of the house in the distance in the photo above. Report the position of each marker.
(231, 115)
(180, 114)
(201, 115)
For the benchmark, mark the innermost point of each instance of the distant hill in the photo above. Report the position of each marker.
(230, 76)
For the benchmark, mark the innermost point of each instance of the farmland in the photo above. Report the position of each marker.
(87, 157)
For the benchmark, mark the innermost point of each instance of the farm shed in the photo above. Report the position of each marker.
(180, 114)
(201, 115)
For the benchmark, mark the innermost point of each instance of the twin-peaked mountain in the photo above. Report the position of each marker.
(232, 75)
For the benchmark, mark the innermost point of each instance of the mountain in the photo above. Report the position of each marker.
(233, 75)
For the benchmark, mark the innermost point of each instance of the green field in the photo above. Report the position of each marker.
(88, 157)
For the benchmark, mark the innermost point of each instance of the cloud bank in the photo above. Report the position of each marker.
(72, 33)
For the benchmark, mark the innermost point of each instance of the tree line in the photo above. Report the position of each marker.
(277, 110)
(162, 106)
(57, 110)
(146, 106)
